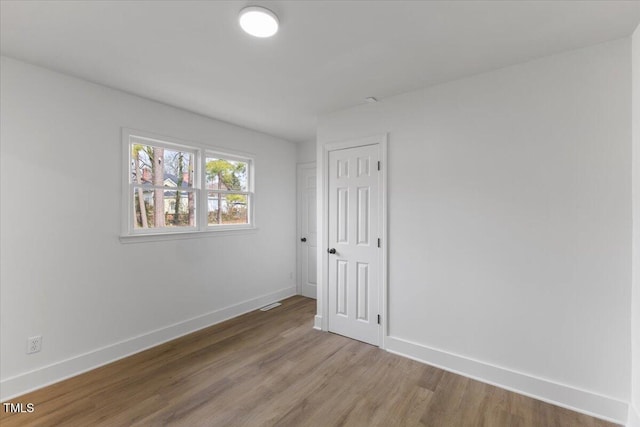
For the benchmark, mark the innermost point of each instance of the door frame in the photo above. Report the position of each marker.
(299, 168)
(322, 319)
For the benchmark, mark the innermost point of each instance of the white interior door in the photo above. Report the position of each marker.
(307, 234)
(354, 254)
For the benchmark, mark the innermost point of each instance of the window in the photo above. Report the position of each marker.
(227, 186)
(173, 187)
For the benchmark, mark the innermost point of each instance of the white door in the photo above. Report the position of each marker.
(354, 255)
(307, 235)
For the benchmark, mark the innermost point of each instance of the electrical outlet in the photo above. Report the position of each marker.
(34, 344)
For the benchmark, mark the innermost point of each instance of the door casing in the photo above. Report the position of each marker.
(321, 321)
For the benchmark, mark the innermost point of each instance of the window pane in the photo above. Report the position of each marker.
(229, 175)
(234, 208)
(160, 166)
(175, 208)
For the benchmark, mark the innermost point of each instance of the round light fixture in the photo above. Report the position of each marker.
(258, 21)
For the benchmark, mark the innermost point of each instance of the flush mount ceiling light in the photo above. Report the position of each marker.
(258, 21)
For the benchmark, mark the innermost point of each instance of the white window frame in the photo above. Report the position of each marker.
(249, 193)
(201, 151)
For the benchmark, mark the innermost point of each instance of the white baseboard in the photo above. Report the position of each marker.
(58, 371)
(634, 417)
(317, 322)
(586, 402)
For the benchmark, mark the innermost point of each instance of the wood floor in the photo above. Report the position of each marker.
(271, 369)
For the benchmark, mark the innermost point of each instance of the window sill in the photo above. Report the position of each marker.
(182, 235)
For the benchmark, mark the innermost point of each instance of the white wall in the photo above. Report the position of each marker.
(306, 151)
(64, 273)
(510, 224)
(634, 409)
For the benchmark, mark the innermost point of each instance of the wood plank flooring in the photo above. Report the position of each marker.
(272, 369)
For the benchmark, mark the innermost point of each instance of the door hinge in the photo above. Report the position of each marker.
(378, 319)
(379, 242)
(378, 164)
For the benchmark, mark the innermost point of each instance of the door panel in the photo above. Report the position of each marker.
(342, 280)
(354, 227)
(342, 221)
(362, 282)
(363, 216)
(307, 245)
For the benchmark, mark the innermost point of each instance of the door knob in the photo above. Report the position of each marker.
(332, 250)
(304, 239)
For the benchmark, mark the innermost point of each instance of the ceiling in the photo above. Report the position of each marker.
(328, 55)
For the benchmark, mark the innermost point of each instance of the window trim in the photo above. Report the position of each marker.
(201, 151)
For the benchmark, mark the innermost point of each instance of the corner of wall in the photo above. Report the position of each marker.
(317, 323)
(306, 151)
(634, 411)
